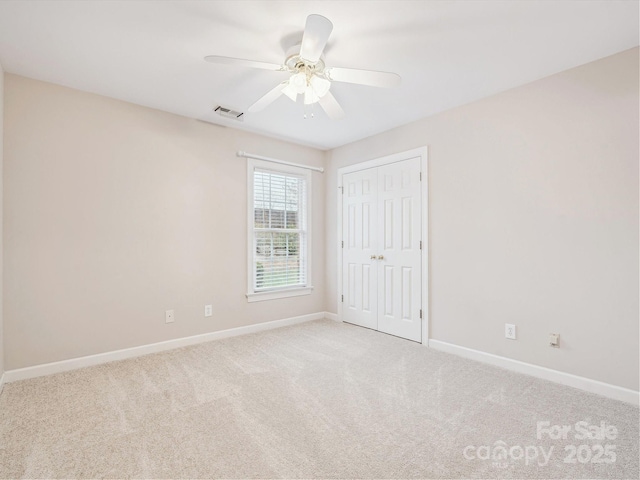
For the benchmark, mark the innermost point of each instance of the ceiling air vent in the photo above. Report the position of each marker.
(227, 112)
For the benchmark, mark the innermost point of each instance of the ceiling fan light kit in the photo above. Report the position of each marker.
(309, 75)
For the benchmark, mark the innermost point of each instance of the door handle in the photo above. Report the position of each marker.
(380, 257)
(373, 257)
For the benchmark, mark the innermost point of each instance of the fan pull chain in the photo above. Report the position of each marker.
(309, 107)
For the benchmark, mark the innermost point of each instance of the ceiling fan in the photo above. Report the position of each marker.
(310, 76)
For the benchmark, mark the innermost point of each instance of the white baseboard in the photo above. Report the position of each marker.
(587, 384)
(331, 316)
(90, 360)
(1, 382)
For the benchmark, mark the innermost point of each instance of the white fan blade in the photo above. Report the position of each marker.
(271, 96)
(363, 77)
(240, 62)
(331, 106)
(314, 39)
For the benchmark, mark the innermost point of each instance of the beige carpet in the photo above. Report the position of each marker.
(317, 400)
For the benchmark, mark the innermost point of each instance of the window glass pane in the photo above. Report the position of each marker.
(277, 260)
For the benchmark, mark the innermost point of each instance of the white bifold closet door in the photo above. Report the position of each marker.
(382, 253)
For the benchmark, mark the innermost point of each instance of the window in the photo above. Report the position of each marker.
(278, 231)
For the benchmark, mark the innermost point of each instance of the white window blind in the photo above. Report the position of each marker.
(279, 230)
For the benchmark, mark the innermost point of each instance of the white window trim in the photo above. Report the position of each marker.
(252, 295)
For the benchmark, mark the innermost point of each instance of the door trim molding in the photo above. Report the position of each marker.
(423, 153)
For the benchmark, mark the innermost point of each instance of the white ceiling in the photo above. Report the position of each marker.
(448, 53)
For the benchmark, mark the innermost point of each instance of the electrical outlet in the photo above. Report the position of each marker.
(554, 340)
(510, 331)
(169, 317)
(208, 310)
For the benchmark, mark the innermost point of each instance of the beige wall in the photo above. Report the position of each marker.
(1, 217)
(533, 219)
(115, 213)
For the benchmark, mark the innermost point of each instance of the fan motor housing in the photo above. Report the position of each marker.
(295, 63)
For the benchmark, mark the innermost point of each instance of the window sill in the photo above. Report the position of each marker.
(275, 294)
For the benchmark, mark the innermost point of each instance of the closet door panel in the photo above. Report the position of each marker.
(360, 233)
(399, 217)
